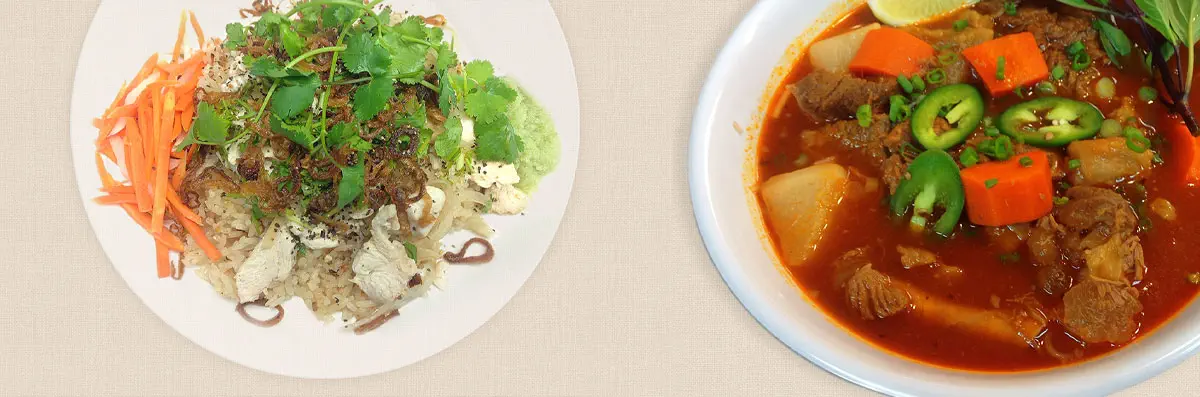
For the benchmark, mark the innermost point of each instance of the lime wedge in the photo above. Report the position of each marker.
(907, 12)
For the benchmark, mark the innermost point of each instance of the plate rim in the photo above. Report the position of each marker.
(566, 170)
(755, 302)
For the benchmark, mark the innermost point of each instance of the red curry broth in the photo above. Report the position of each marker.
(864, 222)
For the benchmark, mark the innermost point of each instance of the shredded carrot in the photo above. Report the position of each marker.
(106, 179)
(162, 258)
(125, 87)
(179, 40)
(143, 220)
(118, 189)
(202, 241)
(181, 169)
(116, 198)
(196, 27)
(145, 127)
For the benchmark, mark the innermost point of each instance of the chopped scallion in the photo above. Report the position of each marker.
(1026, 162)
(960, 25)
(864, 116)
(936, 76)
(905, 84)
(990, 183)
(1058, 72)
(1000, 68)
(968, 157)
(1073, 164)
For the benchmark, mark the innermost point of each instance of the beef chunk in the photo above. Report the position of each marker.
(911, 257)
(870, 141)
(1091, 217)
(874, 295)
(833, 96)
(979, 29)
(1100, 311)
(1115, 260)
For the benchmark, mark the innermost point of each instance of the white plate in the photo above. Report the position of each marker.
(522, 38)
(720, 162)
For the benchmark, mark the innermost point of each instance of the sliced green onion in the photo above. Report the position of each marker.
(1003, 148)
(990, 183)
(1000, 68)
(1073, 164)
(1111, 128)
(960, 25)
(918, 83)
(1046, 88)
(1081, 61)
(1148, 94)
(948, 58)
(1026, 162)
(1136, 141)
(864, 116)
(1010, 8)
(898, 109)
(905, 84)
(969, 157)
(1061, 200)
(1106, 88)
(936, 76)
(1075, 48)
(991, 131)
(1058, 72)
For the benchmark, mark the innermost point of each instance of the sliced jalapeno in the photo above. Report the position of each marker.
(960, 105)
(1051, 121)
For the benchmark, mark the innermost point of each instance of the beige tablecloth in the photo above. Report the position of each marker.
(625, 302)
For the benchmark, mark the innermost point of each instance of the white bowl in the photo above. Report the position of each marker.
(746, 72)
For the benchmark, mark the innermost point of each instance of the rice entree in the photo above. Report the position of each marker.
(322, 150)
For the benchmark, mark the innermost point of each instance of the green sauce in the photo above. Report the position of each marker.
(536, 129)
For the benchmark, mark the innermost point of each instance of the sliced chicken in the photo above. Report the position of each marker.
(271, 261)
(382, 268)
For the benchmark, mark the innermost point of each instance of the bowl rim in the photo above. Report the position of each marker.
(757, 303)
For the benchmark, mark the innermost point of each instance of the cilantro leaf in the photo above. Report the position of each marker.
(411, 250)
(413, 26)
(268, 25)
(491, 101)
(480, 71)
(292, 43)
(448, 97)
(345, 134)
(446, 57)
(497, 141)
(336, 15)
(268, 67)
(300, 134)
(408, 61)
(364, 54)
(446, 143)
(425, 136)
(235, 35)
(352, 184)
(294, 96)
(371, 98)
(413, 114)
(208, 129)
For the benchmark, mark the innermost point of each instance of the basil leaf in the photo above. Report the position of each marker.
(1116, 43)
